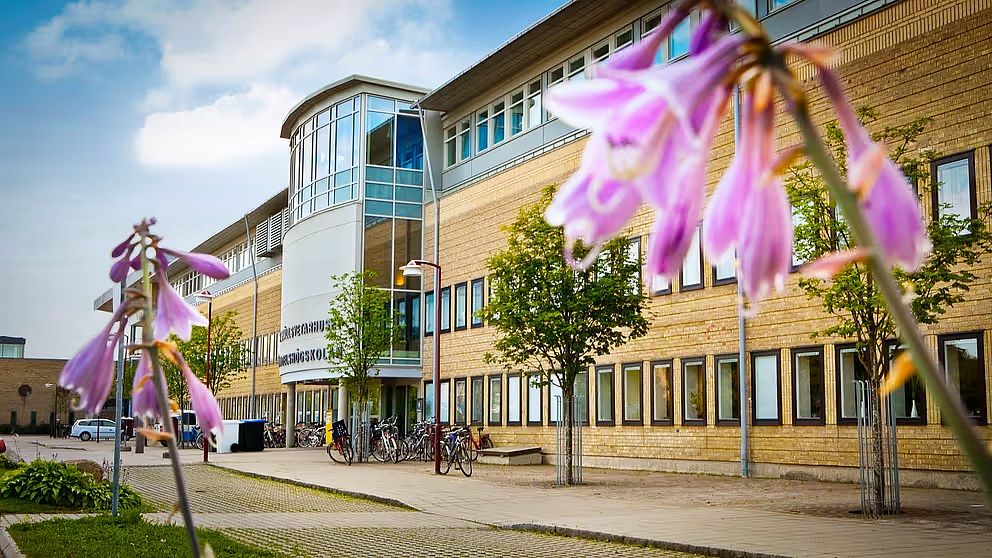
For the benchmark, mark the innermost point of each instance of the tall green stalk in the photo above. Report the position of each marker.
(952, 411)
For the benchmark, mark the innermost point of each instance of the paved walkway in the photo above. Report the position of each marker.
(727, 531)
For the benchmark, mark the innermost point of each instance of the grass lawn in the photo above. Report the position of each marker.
(128, 536)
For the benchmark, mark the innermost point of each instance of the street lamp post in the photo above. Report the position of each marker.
(415, 269)
(205, 295)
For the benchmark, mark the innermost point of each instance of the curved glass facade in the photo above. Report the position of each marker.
(324, 155)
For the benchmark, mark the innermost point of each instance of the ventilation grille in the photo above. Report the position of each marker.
(262, 238)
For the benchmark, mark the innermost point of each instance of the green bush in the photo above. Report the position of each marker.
(58, 484)
(7, 463)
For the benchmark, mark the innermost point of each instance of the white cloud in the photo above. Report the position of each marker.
(234, 127)
(206, 110)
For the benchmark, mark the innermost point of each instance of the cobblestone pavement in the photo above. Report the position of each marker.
(304, 522)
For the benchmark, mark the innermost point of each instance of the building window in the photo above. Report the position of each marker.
(461, 306)
(577, 68)
(633, 386)
(535, 114)
(776, 4)
(450, 147)
(604, 395)
(908, 400)
(849, 371)
(694, 391)
(499, 122)
(464, 140)
(534, 399)
(962, 359)
(478, 301)
(954, 191)
(379, 139)
(678, 41)
(797, 222)
(765, 387)
(692, 267)
(516, 112)
(807, 385)
(661, 392)
(495, 400)
(429, 313)
(429, 401)
(478, 400)
(445, 406)
(555, 400)
(556, 75)
(460, 401)
(634, 255)
(725, 270)
(513, 392)
(482, 130)
(623, 39)
(601, 51)
(445, 325)
(581, 391)
(660, 285)
(728, 390)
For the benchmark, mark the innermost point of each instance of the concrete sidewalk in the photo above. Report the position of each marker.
(721, 531)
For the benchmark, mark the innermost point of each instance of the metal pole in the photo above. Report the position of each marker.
(206, 374)
(118, 410)
(741, 349)
(254, 319)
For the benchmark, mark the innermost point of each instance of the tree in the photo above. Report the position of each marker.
(228, 357)
(555, 319)
(359, 331)
(852, 296)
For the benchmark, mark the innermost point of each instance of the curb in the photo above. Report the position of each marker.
(638, 541)
(8, 548)
(338, 491)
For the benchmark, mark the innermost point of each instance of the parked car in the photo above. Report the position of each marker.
(87, 429)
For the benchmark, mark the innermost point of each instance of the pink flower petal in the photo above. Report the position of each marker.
(828, 266)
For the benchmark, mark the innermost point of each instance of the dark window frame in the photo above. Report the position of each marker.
(454, 399)
(520, 400)
(472, 309)
(978, 336)
(623, 394)
(702, 265)
(540, 395)
(972, 181)
(585, 421)
(489, 401)
(484, 406)
(662, 292)
(437, 300)
(446, 419)
(778, 380)
(725, 281)
(838, 349)
(454, 306)
(716, 391)
(893, 344)
(793, 353)
(432, 313)
(613, 399)
(702, 391)
(671, 392)
(429, 389)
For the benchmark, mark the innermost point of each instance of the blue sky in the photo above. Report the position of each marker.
(115, 110)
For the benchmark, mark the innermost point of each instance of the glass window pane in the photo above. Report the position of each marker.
(460, 401)
(323, 150)
(344, 154)
(378, 174)
(766, 387)
(377, 191)
(461, 301)
(726, 268)
(692, 267)
(693, 381)
(495, 400)
(324, 118)
(410, 177)
(662, 378)
(407, 246)
(429, 312)
(499, 123)
(482, 130)
(534, 112)
(445, 405)
(409, 210)
(428, 400)
(379, 208)
(513, 399)
(604, 394)
(851, 370)
(446, 309)
(465, 141)
(554, 402)
(409, 144)
(632, 392)
(660, 284)
(809, 386)
(678, 41)
(406, 316)
(581, 389)
(378, 103)
(965, 372)
(342, 195)
(477, 302)
(307, 160)
(954, 188)
(478, 400)
(534, 398)
(517, 113)
(378, 255)
(728, 389)
(409, 194)
(379, 134)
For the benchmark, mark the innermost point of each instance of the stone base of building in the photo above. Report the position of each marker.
(907, 478)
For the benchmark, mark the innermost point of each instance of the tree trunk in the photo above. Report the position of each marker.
(878, 467)
(566, 411)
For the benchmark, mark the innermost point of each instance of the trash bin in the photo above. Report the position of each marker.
(251, 435)
(231, 434)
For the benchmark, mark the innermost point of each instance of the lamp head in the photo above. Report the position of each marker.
(412, 269)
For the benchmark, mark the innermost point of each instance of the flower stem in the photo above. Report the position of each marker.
(952, 411)
(148, 338)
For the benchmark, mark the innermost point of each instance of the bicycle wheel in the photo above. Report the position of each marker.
(464, 462)
(446, 459)
(395, 452)
(379, 450)
(199, 442)
(469, 446)
(349, 453)
(336, 454)
(486, 443)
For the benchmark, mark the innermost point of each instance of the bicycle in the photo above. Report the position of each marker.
(473, 444)
(340, 451)
(453, 451)
(386, 442)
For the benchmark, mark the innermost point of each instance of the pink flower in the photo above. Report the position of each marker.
(172, 314)
(91, 371)
(202, 263)
(144, 401)
(765, 247)
(886, 198)
(208, 414)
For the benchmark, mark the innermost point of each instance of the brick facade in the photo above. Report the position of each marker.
(913, 59)
(41, 403)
